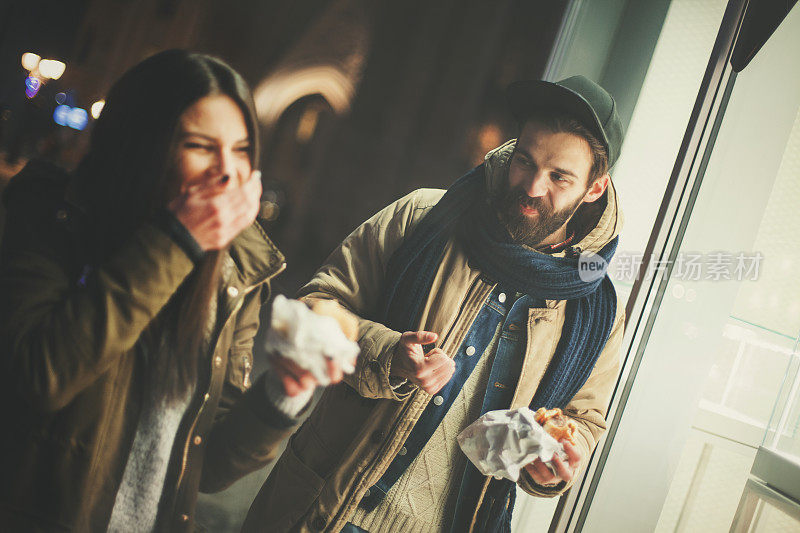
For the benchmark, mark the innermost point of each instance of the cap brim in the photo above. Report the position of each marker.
(525, 98)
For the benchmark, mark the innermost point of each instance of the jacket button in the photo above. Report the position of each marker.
(218, 361)
(403, 451)
(377, 436)
(470, 350)
(501, 297)
(184, 518)
(438, 400)
(197, 440)
(61, 215)
(319, 523)
(233, 292)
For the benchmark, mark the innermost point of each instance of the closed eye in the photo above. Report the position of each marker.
(198, 146)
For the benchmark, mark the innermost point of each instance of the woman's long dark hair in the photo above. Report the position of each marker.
(126, 178)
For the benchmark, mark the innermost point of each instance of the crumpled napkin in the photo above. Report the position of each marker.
(501, 442)
(307, 338)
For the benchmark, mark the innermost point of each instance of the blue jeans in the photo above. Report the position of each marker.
(350, 528)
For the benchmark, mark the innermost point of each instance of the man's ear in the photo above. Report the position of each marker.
(597, 188)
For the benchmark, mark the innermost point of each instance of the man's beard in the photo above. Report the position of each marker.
(523, 229)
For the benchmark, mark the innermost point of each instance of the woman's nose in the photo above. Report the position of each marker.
(226, 166)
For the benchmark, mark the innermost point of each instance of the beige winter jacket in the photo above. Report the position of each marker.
(357, 428)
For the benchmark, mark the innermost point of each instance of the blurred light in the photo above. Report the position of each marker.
(61, 114)
(96, 108)
(72, 117)
(307, 125)
(30, 61)
(61, 98)
(78, 118)
(50, 68)
(32, 86)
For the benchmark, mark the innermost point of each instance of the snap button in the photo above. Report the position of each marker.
(470, 350)
(318, 523)
(61, 215)
(184, 518)
(206, 397)
(366, 494)
(197, 440)
(502, 297)
(218, 361)
(438, 400)
(233, 292)
(403, 451)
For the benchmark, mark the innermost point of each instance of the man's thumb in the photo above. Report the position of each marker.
(419, 337)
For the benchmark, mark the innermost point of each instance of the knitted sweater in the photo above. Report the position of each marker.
(424, 498)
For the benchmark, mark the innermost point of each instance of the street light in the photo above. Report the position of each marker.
(51, 68)
(30, 61)
(96, 108)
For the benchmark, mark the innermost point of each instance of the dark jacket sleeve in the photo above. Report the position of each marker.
(59, 334)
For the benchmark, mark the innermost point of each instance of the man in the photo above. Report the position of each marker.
(470, 300)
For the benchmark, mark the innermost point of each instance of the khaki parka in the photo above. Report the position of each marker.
(357, 428)
(72, 381)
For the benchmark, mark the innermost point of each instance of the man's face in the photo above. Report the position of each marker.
(547, 182)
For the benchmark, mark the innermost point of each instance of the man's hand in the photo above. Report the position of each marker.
(217, 211)
(542, 475)
(430, 371)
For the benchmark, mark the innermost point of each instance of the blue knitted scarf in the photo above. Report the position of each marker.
(464, 213)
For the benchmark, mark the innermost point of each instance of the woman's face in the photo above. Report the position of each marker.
(213, 143)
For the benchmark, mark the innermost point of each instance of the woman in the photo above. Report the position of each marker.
(129, 298)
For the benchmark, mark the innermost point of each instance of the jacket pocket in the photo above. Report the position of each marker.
(291, 488)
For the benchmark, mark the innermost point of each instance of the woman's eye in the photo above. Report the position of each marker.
(199, 146)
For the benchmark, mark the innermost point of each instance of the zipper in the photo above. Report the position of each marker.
(235, 309)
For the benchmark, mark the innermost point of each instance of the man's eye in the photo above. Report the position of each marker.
(244, 149)
(557, 177)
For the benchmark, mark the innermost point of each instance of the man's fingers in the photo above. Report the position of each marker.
(573, 455)
(561, 469)
(418, 337)
(540, 473)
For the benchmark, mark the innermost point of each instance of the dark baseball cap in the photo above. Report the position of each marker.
(577, 96)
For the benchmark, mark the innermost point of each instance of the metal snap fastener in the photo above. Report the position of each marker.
(502, 297)
(366, 494)
(470, 350)
(438, 400)
(61, 215)
(197, 440)
(403, 451)
(184, 518)
(233, 292)
(218, 361)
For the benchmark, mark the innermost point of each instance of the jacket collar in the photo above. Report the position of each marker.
(255, 256)
(595, 224)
